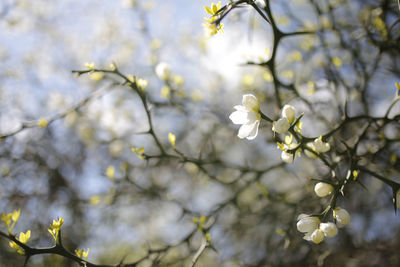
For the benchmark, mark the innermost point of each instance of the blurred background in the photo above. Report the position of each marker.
(81, 166)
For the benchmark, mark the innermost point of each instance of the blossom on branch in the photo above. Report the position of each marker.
(307, 223)
(281, 126)
(289, 149)
(316, 147)
(329, 229)
(323, 189)
(288, 117)
(317, 236)
(247, 114)
(341, 216)
(320, 146)
(289, 113)
(314, 230)
(287, 157)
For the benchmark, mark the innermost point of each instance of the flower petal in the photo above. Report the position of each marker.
(287, 157)
(320, 146)
(254, 132)
(317, 236)
(289, 113)
(240, 108)
(239, 117)
(252, 117)
(307, 236)
(250, 102)
(281, 125)
(246, 129)
(329, 229)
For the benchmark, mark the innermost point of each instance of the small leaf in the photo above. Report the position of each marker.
(208, 10)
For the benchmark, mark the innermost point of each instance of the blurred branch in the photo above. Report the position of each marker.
(28, 125)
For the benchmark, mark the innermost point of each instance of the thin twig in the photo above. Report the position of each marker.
(202, 248)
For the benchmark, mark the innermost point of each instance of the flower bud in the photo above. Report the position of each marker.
(287, 157)
(289, 113)
(320, 146)
(307, 223)
(323, 189)
(163, 70)
(317, 236)
(260, 3)
(281, 125)
(341, 215)
(329, 229)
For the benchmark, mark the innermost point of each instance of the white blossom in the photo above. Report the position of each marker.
(289, 113)
(281, 126)
(317, 236)
(329, 229)
(248, 115)
(163, 70)
(341, 216)
(288, 117)
(320, 146)
(307, 223)
(287, 157)
(323, 189)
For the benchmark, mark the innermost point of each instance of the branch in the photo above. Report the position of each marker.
(202, 248)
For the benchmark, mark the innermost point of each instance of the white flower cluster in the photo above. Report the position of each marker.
(248, 114)
(315, 231)
(289, 149)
